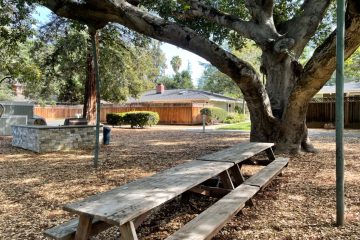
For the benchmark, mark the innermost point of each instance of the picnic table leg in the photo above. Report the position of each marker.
(236, 173)
(128, 231)
(84, 227)
(270, 154)
(226, 180)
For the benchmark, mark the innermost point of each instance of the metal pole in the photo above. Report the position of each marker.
(96, 151)
(203, 122)
(340, 32)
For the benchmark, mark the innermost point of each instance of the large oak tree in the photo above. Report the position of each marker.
(278, 109)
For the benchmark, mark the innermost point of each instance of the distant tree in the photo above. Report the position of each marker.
(176, 63)
(181, 80)
(15, 27)
(129, 64)
(352, 67)
(213, 80)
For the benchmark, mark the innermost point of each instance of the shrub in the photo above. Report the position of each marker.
(115, 119)
(214, 114)
(141, 118)
(235, 118)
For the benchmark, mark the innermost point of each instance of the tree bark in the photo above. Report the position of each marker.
(89, 110)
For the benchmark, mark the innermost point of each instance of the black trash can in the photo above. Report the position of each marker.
(106, 135)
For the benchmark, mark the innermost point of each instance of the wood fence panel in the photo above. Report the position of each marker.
(169, 113)
(56, 112)
(321, 111)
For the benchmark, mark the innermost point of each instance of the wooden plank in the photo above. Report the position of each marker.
(128, 231)
(237, 153)
(235, 172)
(270, 154)
(84, 227)
(129, 201)
(265, 175)
(226, 180)
(67, 230)
(209, 222)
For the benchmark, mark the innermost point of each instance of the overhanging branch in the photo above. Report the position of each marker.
(303, 26)
(126, 14)
(321, 66)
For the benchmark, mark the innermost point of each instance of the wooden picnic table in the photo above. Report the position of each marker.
(128, 205)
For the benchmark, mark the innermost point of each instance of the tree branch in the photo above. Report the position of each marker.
(4, 78)
(321, 66)
(248, 29)
(303, 26)
(120, 11)
(261, 11)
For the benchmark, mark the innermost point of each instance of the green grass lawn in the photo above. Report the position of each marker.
(236, 126)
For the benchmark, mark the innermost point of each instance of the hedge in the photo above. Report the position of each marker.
(236, 118)
(115, 119)
(214, 114)
(134, 119)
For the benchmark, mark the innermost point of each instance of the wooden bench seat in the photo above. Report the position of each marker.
(209, 222)
(67, 230)
(264, 176)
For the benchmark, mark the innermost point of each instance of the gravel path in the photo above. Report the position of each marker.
(299, 205)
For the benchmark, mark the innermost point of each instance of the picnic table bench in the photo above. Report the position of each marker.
(128, 205)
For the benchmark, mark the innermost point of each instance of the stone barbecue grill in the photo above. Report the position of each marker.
(54, 138)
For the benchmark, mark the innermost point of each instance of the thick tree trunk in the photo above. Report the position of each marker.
(89, 110)
(282, 74)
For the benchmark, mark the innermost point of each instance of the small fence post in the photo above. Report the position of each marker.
(204, 122)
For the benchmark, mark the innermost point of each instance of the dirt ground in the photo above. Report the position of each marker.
(298, 205)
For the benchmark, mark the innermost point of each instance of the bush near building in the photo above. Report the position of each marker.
(134, 119)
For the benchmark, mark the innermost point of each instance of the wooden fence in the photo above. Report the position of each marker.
(170, 113)
(322, 111)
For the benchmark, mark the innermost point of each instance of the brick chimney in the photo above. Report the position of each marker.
(160, 88)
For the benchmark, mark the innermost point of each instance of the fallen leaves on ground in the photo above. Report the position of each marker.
(298, 205)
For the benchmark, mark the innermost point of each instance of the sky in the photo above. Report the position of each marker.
(169, 50)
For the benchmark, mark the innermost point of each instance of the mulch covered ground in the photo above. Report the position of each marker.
(298, 205)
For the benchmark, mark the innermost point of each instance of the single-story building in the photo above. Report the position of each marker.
(178, 106)
(199, 97)
(350, 89)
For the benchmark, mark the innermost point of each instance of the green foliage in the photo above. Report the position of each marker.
(115, 119)
(5, 93)
(215, 81)
(283, 11)
(141, 118)
(236, 126)
(176, 63)
(134, 119)
(214, 115)
(236, 118)
(180, 80)
(129, 63)
(352, 67)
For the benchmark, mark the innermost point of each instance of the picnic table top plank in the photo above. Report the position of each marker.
(237, 153)
(209, 222)
(129, 201)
